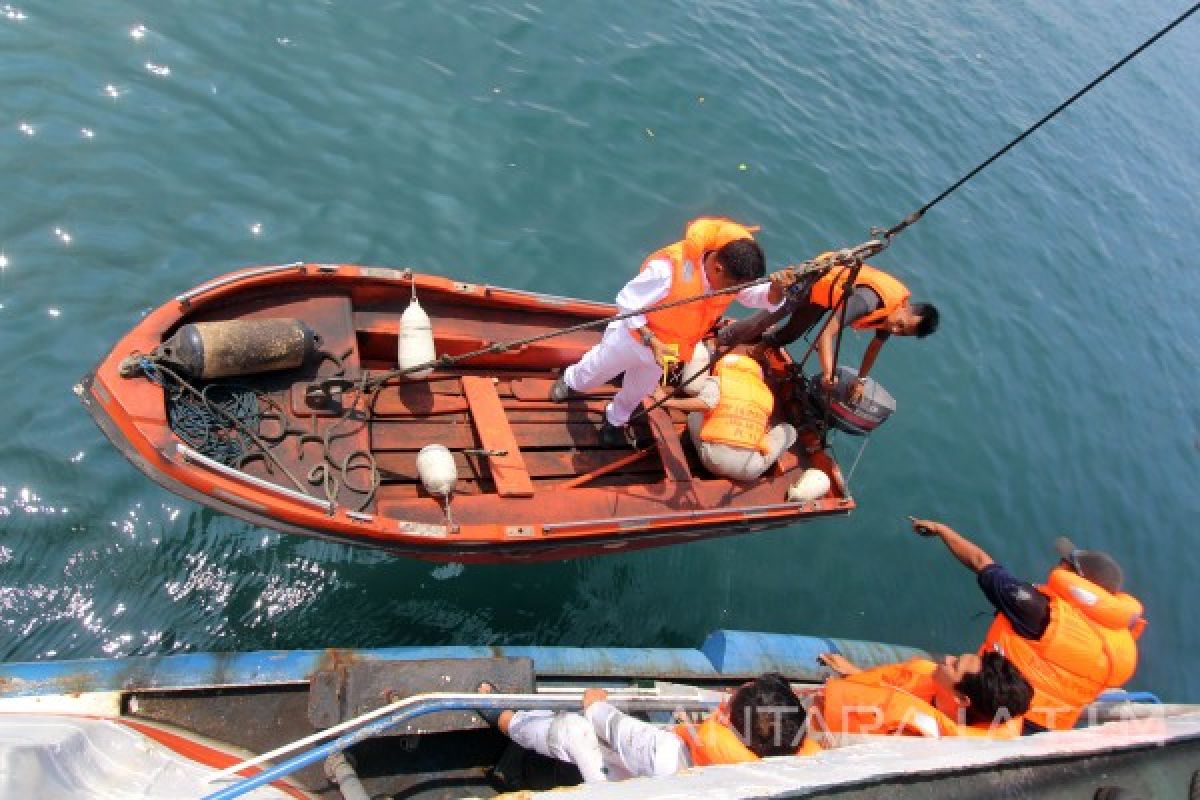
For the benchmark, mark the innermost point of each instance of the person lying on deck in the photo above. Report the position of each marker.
(962, 696)
(761, 718)
(729, 418)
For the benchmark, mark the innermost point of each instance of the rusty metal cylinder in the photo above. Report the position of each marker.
(208, 350)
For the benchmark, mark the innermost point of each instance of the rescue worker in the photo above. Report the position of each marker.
(729, 416)
(1072, 637)
(715, 253)
(965, 695)
(878, 302)
(761, 718)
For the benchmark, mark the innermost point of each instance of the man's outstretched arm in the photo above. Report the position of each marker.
(825, 343)
(869, 356)
(971, 555)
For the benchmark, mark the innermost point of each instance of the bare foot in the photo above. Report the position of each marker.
(594, 696)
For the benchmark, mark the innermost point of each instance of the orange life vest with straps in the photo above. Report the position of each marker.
(686, 325)
(827, 291)
(896, 699)
(1089, 645)
(740, 417)
(713, 741)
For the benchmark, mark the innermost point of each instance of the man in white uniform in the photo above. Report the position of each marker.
(714, 254)
(761, 718)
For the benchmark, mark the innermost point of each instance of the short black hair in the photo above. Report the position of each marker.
(929, 318)
(768, 716)
(744, 259)
(1101, 569)
(998, 685)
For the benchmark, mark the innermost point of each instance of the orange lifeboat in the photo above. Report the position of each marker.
(330, 446)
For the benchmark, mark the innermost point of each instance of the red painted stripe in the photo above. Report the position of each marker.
(855, 419)
(205, 754)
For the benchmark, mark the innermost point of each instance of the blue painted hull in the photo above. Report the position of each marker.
(724, 656)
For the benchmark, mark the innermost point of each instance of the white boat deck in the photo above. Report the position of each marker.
(50, 757)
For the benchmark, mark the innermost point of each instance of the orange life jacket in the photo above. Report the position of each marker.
(741, 415)
(686, 325)
(827, 291)
(714, 742)
(896, 699)
(1089, 645)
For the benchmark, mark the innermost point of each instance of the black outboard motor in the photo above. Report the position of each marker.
(858, 419)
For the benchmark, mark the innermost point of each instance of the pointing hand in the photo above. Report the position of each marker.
(924, 527)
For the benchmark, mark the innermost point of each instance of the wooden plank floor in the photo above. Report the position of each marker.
(558, 441)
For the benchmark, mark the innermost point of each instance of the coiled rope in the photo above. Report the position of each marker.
(193, 418)
(222, 421)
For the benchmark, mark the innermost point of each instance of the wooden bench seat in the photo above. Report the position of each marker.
(487, 414)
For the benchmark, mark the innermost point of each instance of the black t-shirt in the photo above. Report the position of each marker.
(863, 300)
(1026, 608)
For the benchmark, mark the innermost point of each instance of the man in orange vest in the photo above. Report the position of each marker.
(877, 302)
(729, 419)
(1072, 637)
(965, 695)
(761, 718)
(715, 253)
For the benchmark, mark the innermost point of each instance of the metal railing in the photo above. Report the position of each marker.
(378, 722)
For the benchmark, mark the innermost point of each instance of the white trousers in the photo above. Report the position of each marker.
(603, 743)
(617, 353)
(739, 463)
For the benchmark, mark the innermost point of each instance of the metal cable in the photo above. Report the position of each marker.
(916, 215)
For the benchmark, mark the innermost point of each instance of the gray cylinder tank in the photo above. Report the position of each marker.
(208, 350)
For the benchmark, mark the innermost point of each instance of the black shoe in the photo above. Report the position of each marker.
(560, 392)
(489, 715)
(615, 435)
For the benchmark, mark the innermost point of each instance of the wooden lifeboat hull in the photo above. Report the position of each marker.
(556, 492)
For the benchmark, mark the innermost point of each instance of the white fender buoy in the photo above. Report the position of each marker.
(813, 484)
(435, 468)
(697, 364)
(414, 346)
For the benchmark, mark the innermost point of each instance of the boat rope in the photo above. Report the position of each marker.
(882, 237)
(153, 366)
(192, 418)
(820, 264)
(335, 431)
(852, 257)
(227, 428)
(888, 233)
(916, 215)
